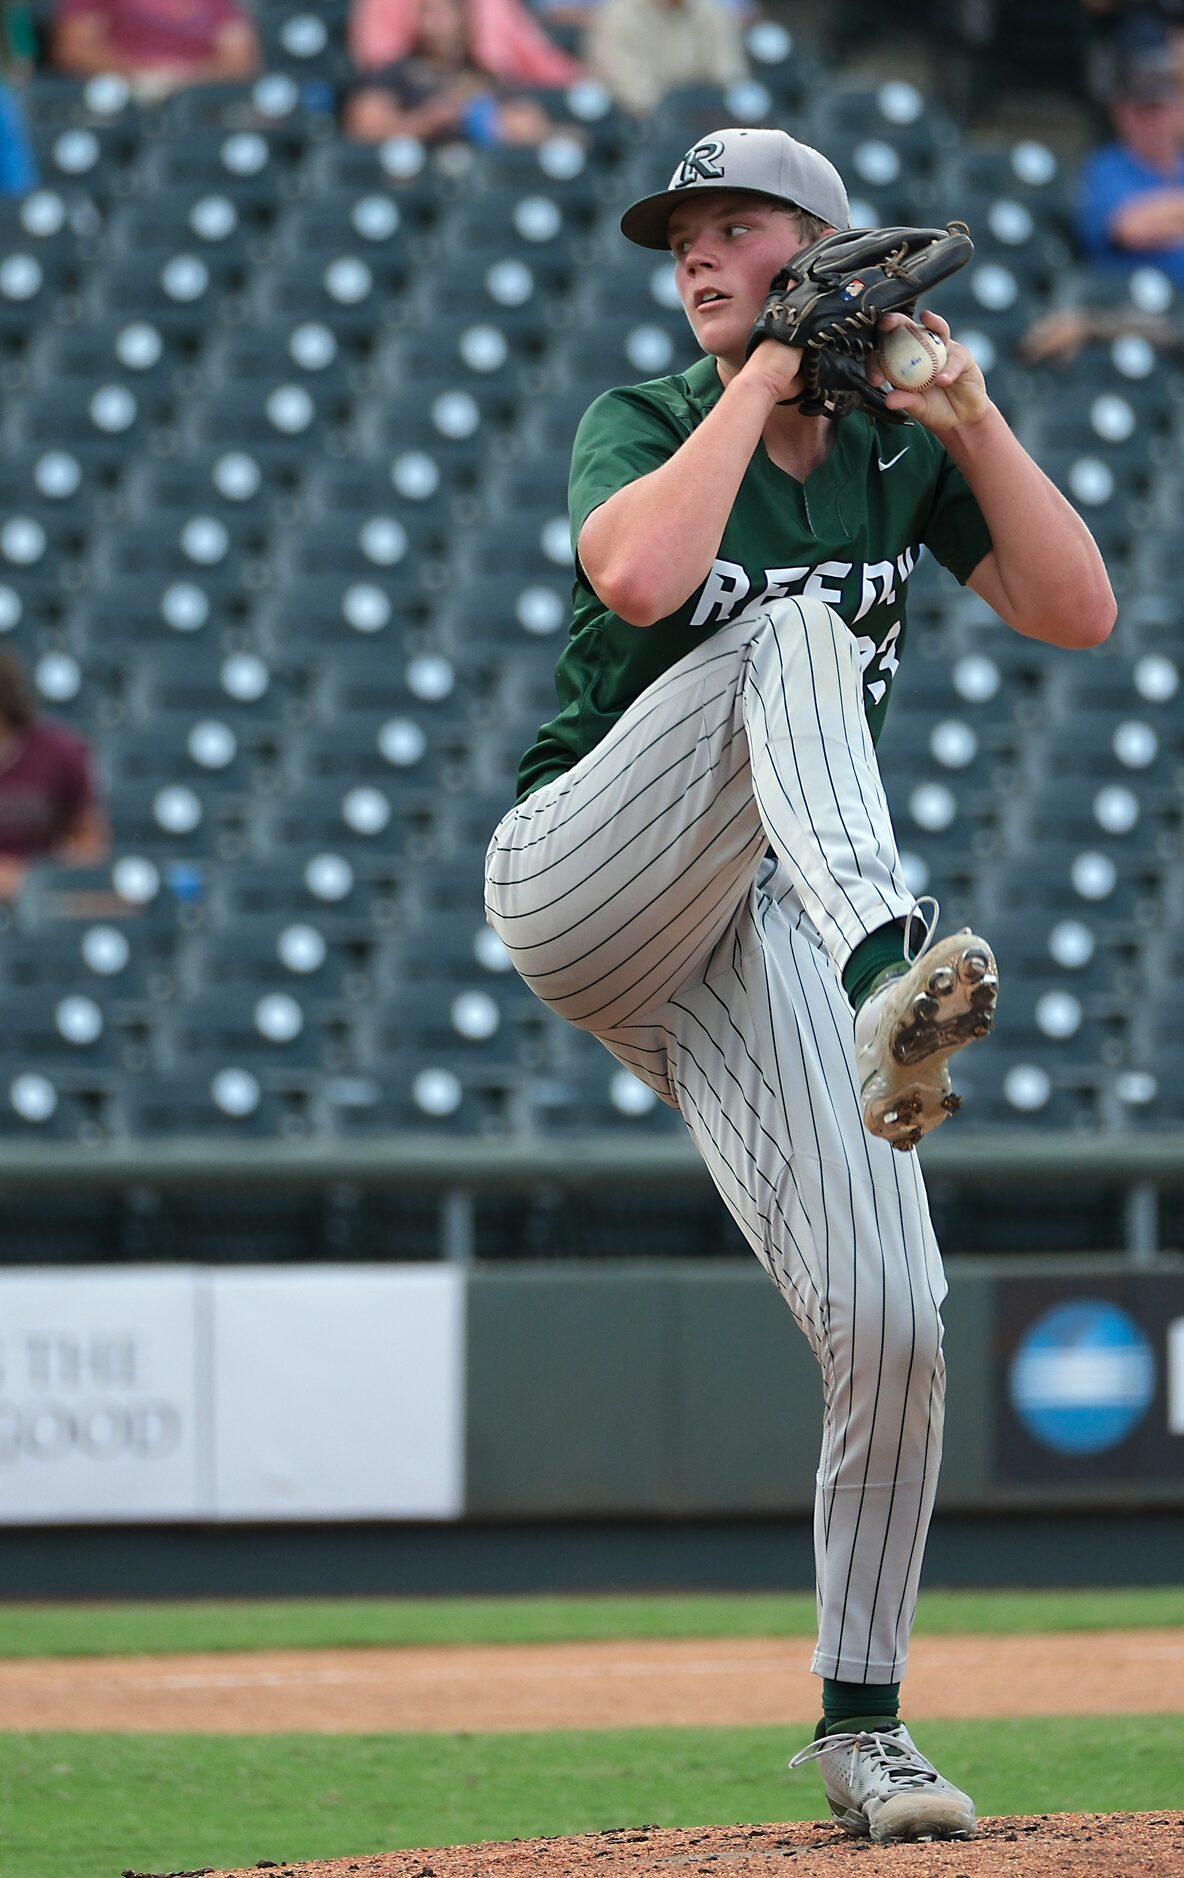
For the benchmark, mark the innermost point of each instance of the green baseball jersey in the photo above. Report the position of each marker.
(849, 535)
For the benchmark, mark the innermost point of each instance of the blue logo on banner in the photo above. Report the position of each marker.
(1083, 1377)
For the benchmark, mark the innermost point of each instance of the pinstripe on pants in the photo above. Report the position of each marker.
(638, 898)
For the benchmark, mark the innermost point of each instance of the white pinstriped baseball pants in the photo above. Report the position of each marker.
(636, 899)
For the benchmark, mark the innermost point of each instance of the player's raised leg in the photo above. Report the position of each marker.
(609, 885)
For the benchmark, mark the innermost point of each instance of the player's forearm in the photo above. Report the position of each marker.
(1052, 581)
(651, 544)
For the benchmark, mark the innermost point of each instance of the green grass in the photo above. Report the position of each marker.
(92, 1806)
(124, 1629)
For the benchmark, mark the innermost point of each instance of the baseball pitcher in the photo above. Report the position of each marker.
(701, 869)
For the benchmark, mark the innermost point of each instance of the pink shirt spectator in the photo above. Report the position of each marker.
(505, 40)
(159, 32)
(44, 790)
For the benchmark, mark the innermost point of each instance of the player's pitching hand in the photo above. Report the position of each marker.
(957, 396)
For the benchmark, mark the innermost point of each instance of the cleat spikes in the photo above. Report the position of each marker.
(906, 1033)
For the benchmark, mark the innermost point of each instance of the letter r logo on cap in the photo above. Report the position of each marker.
(700, 164)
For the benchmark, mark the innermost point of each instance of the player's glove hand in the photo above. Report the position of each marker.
(832, 296)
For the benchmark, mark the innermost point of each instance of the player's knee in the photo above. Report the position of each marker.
(906, 1335)
(803, 614)
(806, 638)
(912, 1340)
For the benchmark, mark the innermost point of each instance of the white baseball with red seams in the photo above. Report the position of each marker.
(910, 357)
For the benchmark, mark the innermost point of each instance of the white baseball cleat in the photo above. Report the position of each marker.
(880, 1786)
(909, 1028)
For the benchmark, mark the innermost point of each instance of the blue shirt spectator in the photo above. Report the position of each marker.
(1131, 197)
(18, 166)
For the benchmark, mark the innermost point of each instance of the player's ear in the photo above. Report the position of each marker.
(806, 237)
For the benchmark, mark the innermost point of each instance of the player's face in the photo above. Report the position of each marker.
(726, 249)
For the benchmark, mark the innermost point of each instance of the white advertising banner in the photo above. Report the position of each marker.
(296, 1392)
(340, 1393)
(99, 1395)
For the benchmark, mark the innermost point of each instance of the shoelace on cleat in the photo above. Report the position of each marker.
(894, 1761)
(928, 922)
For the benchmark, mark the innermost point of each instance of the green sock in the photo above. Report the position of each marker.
(873, 958)
(864, 1702)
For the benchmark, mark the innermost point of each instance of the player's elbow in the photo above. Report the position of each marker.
(1096, 622)
(625, 590)
(631, 602)
(1084, 620)
(1097, 608)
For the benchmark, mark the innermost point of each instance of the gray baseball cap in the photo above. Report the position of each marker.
(766, 162)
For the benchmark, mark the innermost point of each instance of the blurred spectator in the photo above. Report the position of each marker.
(446, 70)
(18, 166)
(641, 49)
(1057, 338)
(157, 45)
(1131, 202)
(49, 808)
(582, 12)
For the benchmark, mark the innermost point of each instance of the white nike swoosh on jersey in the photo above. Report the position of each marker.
(892, 459)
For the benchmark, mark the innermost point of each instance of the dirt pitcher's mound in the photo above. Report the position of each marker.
(1056, 1845)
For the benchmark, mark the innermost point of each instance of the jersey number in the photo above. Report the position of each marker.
(888, 663)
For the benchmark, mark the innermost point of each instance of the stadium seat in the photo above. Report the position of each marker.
(506, 223)
(97, 422)
(276, 419)
(894, 113)
(1113, 891)
(304, 40)
(412, 1093)
(69, 1035)
(271, 952)
(216, 1100)
(400, 751)
(187, 219)
(167, 819)
(352, 292)
(94, 159)
(305, 885)
(373, 828)
(121, 961)
(146, 611)
(204, 482)
(268, 1029)
(314, 614)
(255, 166)
(98, 351)
(1002, 1090)
(183, 292)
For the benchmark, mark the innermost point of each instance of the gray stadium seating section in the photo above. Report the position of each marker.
(283, 531)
